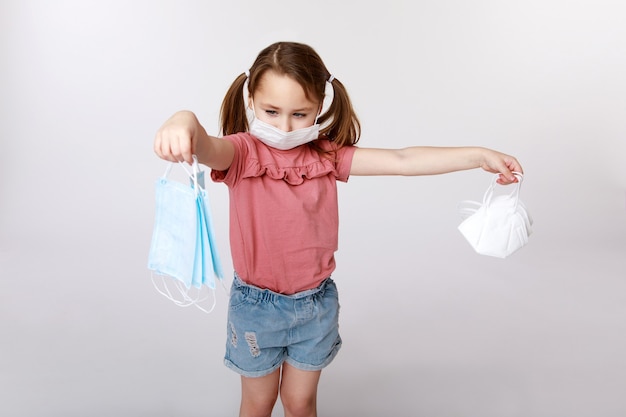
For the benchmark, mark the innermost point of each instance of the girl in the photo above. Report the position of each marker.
(280, 155)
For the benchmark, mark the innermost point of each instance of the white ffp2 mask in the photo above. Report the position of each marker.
(500, 225)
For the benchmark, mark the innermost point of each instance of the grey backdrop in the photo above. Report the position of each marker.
(430, 328)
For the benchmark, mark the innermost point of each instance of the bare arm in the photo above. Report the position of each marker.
(182, 136)
(425, 160)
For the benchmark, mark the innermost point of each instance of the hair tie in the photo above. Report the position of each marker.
(331, 78)
(247, 72)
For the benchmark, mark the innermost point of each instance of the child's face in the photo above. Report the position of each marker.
(281, 102)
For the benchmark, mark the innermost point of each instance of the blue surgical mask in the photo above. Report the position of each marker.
(183, 245)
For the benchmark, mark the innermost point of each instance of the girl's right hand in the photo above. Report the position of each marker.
(177, 139)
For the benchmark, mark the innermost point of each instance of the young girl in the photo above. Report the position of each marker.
(280, 155)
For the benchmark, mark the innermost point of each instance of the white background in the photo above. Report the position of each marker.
(430, 328)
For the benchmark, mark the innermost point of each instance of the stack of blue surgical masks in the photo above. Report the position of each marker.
(183, 250)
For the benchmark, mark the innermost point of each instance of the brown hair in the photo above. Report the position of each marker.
(304, 65)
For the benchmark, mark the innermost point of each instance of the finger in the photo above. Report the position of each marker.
(506, 175)
(513, 167)
(185, 149)
(165, 150)
(162, 148)
(174, 151)
(517, 167)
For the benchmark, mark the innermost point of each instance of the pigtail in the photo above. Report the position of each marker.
(344, 128)
(233, 111)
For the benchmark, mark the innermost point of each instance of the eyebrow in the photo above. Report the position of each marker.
(299, 110)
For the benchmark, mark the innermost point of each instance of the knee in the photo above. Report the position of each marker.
(298, 406)
(258, 408)
(257, 405)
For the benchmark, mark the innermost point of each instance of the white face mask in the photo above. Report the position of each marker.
(500, 225)
(279, 139)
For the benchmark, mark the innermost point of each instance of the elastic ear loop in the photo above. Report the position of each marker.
(187, 300)
(184, 292)
(246, 96)
(519, 206)
(518, 186)
(514, 194)
(468, 207)
(168, 169)
(329, 96)
(193, 176)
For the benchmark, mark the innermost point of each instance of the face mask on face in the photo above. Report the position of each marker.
(279, 139)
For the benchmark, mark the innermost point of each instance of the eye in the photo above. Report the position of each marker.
(299, 115)
(271, 112)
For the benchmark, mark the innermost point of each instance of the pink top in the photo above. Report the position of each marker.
(284, 216)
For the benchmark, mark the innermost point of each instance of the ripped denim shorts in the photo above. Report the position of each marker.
(266, 328)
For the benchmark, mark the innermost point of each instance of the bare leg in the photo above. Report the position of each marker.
(298, 391)
(258, 395)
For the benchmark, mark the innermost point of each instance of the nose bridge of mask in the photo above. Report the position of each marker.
(247, 99)
(183, 245)
(498, 226)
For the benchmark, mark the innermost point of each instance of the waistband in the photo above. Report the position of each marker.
(265, 294)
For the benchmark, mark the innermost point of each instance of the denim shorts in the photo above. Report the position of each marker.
(266, 329)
